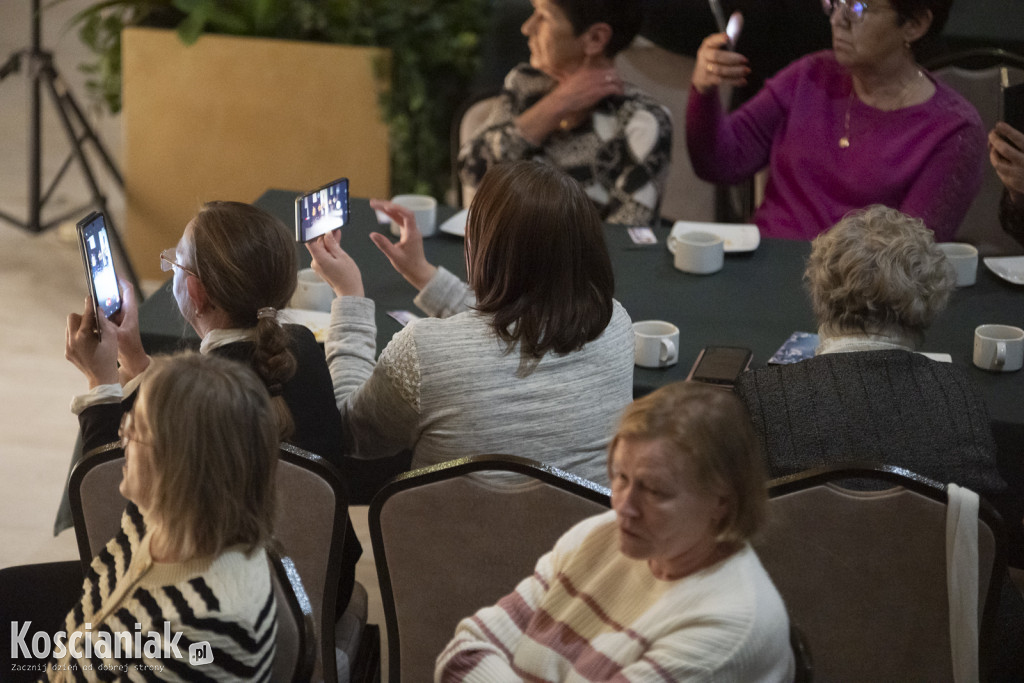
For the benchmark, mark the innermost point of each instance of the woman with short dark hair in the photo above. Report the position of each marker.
(570, 108)
(536, 333)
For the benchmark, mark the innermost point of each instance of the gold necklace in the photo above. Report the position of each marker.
(844, 141)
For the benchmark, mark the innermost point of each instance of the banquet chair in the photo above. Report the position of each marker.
(469, 119)
(295, 647)
(310, 526)
(451, 538)
(95, 498)
(665, 76)
(979, 75)
(864, 573)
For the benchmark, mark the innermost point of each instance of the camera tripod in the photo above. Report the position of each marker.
(42, 72)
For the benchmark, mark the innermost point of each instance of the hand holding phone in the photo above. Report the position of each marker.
(321, 210)
(99, 266)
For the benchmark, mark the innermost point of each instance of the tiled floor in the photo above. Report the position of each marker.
(41, 281)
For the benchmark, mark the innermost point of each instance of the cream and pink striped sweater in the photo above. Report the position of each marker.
(589, 613)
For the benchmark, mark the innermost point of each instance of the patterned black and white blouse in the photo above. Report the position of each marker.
(620, 155)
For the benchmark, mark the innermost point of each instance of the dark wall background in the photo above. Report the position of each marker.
(775, 32)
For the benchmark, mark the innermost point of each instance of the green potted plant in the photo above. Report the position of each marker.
(433, 46)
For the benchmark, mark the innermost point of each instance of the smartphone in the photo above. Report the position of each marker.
(720, 364)
(322, 210)
(1012, 104)
(99, 265)
(732, 27)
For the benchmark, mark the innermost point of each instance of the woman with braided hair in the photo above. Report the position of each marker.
(234, 268)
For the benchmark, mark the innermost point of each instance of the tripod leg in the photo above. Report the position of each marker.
(88, 133)
(50, 76)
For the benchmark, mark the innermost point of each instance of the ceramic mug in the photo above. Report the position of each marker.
(656, 344)
(964, 259)
(700, 253)
(999, 348)
(423, 206)
(312, 292)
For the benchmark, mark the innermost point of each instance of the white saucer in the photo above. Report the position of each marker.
(1010, 268)
(456, 225)
(738, 236)
(316, 321)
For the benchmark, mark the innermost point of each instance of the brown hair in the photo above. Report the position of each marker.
(711, 431)
(537, 260)
(245, 259)
(214, 448)
(878, 271)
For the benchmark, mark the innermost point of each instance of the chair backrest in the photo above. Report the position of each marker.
(979, 75)
(96, 502)
(468, 121)
(863, 573)
(455, 537)
(310, 525)
(295, 651)
(665, 76)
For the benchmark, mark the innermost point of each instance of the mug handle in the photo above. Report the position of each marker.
(1000, 354)
(672, 243)
(668, 351)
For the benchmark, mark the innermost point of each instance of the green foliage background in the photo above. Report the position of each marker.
(433, 43)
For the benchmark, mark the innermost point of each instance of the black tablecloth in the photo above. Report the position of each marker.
(756, 300)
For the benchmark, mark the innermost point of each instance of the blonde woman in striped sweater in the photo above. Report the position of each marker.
(189, 565)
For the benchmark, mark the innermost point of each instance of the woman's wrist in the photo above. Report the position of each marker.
(423, 275)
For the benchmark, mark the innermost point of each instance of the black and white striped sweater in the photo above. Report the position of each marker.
(139, 607)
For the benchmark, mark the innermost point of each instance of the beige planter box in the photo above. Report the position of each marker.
(230, 117)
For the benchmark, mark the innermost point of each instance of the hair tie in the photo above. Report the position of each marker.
(275, 389)
(266, 312)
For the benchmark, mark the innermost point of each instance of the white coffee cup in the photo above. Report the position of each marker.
(964, 259)
(423, 206)
(999, 348)
(656, 343)
(312, 292)
(700, 253)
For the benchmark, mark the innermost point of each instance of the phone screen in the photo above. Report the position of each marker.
(721, 364)
(322, 210)
(99, 264)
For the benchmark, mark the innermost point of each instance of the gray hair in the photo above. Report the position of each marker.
(878, 271)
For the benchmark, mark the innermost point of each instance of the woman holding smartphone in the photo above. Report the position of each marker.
(841, 129)
(535, 333)
(234, 269)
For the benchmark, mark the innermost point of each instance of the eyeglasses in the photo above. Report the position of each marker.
(126, 432)
(166, 263)
(853, 9)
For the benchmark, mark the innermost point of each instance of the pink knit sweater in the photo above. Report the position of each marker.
(926, 160)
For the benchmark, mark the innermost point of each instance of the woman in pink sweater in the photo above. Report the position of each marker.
(841, 129)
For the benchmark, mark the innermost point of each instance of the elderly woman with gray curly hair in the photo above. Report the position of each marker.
(876, 281)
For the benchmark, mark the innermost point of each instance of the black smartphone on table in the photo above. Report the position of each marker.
(99, 265)
(720, 365)
(321, 210)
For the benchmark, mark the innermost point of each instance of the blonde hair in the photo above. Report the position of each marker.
(878, 271)
(214, 448)
(710, 430)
